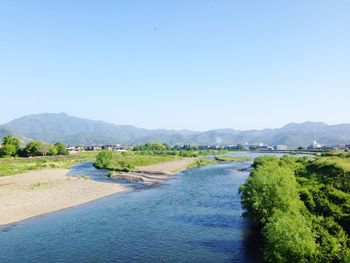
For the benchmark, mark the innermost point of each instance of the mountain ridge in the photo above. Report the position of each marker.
(51, 127)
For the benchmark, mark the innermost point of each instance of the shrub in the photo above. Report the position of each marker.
(7, 150)
(302, 218)
(104, 159)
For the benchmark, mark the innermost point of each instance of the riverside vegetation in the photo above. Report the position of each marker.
(151, 153)
(301, 206)
(16, 165)
(15, 159)
(11, 148)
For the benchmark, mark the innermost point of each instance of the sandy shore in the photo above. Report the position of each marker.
(38, 192)
(168, 167)
(156, 173)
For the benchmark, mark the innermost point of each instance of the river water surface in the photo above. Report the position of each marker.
(194, 217)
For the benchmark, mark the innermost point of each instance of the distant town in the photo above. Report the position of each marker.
(314, 146)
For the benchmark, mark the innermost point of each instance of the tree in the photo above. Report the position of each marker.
(7, 150)
(10, 146)
(52, 150)
(104, 159)
(33, 148)
(288, 236)
(270, 187)
(43, 149)
(61, 149)
(11, 141)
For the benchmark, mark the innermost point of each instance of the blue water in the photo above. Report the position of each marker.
(194, 217)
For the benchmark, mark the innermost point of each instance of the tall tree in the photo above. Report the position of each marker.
(10, 146)
(61, 148)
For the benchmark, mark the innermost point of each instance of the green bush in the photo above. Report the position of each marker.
(10, 146)
(7, 150)
(289, 236)
(61, 148)
(104, 160)
(303, 214)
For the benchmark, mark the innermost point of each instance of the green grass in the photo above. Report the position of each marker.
(202, 162)
(10, 166)
(341, 162)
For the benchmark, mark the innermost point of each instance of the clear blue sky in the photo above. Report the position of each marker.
(177, 64)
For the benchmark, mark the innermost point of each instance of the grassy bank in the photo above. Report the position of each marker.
(302, 207)
(128, 161)
(10, 166)
(202, 162)
(151, 153)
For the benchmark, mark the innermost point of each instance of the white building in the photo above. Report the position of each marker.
(281, 147)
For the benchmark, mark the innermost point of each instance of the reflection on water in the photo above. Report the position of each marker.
(194, 217)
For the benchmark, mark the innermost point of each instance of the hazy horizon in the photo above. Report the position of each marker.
(130, 124)
(195, 65)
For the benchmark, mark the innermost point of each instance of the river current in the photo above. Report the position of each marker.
(196, 216)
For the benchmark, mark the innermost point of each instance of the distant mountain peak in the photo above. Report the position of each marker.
(52, 127)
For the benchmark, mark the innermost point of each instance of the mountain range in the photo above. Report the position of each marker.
(53, 127)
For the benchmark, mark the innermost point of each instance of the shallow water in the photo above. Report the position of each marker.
(194, 217)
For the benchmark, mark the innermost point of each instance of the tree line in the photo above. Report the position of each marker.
(176, 150)
(11, 147)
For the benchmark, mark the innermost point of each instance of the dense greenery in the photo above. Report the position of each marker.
(177, 150)
(151, 153)
(127, 161)
(11, 147)
(15, 165)
(104, 159)
(302, 207)
(155, 147)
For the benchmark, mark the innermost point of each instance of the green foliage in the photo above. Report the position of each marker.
(270, 187)
(33, 149)
(37, 148)
(61, 148)
(10, 140)
(331, 170)
(104, 160)
(301, 206)
(201, 162)
(127, 161)
(10, 166)
(166, 150)
(10, 146)
(332, 240)
(289, 236)
(157, 147)
(7, 150)
(52, 150)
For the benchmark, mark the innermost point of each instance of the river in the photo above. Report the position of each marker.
(194, 217)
